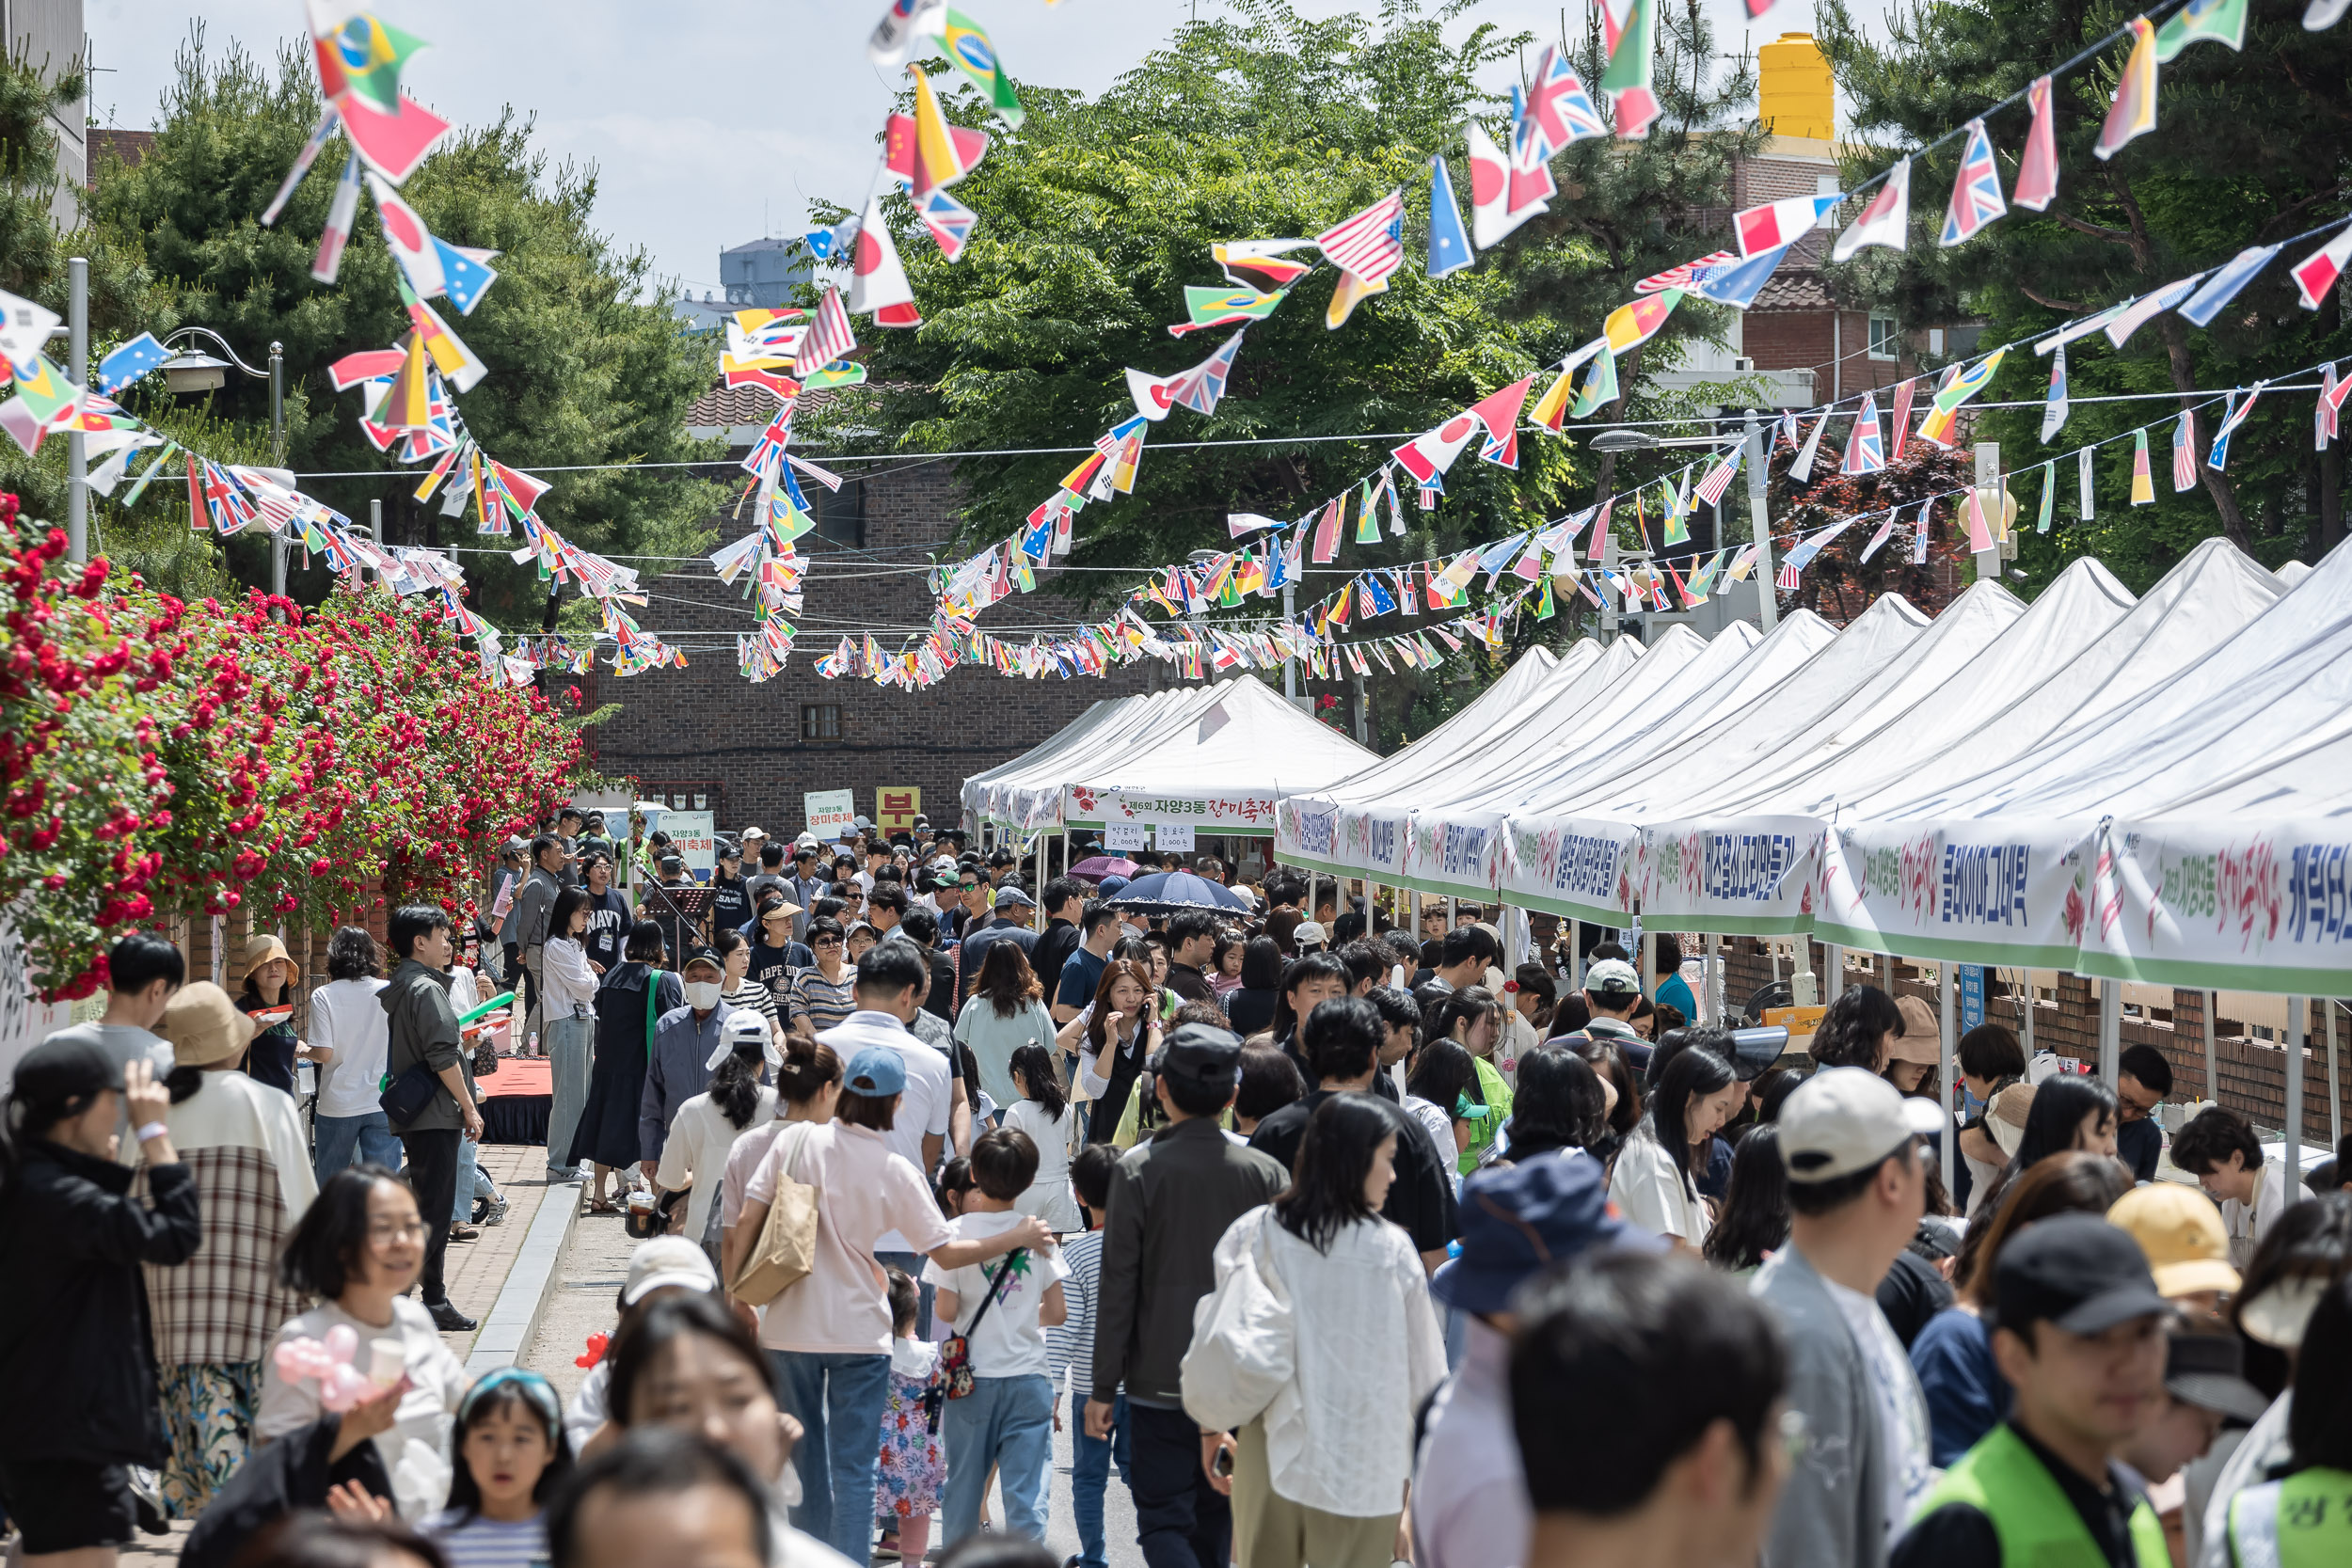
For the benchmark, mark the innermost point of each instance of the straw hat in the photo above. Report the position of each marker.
(2005, 1119)
(1922, 1040)
(261, 949)
(2181, 1231)
(204, 1026)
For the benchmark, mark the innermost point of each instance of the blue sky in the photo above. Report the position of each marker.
(709, 124)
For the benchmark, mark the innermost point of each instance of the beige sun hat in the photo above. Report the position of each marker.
(261, 949)
(204, 1026)
(2005, 1119)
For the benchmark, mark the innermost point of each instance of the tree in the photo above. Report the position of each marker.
(586, 364)
(1839, 583)
(2247, 151)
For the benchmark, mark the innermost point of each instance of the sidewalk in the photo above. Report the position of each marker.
(475, 1273)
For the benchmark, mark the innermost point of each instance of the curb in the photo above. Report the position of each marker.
(515, 1315)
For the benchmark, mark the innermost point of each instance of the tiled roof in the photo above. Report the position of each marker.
(755, 406)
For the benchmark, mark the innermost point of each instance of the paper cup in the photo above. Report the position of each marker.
(387, 1361)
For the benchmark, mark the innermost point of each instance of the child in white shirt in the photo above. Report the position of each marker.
(1006, 1421)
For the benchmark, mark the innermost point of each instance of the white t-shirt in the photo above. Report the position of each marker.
(470, 1541)
(415, 1450)
(1011, 1343)
(930, 1092)
(1902, 1408)
(346, 1016)
(1650, 1192)
(2247, 1224)
(124, 1044)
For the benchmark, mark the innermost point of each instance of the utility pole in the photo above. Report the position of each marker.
(1760, 526)
(1290, 666)
(279, 547)
(76, 449)
(1989, 501)
(1608, 588)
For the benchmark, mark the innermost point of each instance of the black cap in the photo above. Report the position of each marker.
(699, 955)
(1202, 1052)
(2077, 1271)
(2209, 1371)
(56, 1071)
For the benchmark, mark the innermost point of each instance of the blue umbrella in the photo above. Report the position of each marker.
(1174, 892)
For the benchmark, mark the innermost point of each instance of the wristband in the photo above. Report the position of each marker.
(152, 1129)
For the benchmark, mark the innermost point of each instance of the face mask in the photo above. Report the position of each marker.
(702, 996)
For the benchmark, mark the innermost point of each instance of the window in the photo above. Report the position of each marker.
(1883, 343)
(821, 720)
(840, 513)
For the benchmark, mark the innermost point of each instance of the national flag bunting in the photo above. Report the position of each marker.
(1449, 242)
(950, 221)
(1688, 273)
(2037, 166)
(1900, 433)
(2224, 284)
(1629, 34)
(2216, 20)
(828, 338)
(1779, 223)
(131, 361)
(2132, 113)
(2185, 453)
(878, 281)
(1502, 196)
(1558, 111)
(1977, 193)
(1885, 219)
(1937, 426)
(1371, 244)
(1801, 471)
(1198, 388)
(2143, 484)
(2054, 406)
(2315, 274)
(1865, 453)
(2236, 415)
(1637, 322)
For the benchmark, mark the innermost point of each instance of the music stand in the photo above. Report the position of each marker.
(688, 904)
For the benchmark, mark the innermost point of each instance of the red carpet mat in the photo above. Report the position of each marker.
(516, 1101)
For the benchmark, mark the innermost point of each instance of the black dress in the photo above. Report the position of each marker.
(617, 1080)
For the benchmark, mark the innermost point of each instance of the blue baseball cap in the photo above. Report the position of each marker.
(876, 1071)
(1518, 1220)
(1112, 886)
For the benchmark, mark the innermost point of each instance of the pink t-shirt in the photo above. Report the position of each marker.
(751, 1147)
(864, 1192)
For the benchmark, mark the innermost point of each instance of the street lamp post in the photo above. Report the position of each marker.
(189, 372)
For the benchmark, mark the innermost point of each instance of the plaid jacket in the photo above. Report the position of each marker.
(225, 1304)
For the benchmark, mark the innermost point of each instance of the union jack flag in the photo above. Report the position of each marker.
(1865, 453)
(1976, 193)
(1558, 111)
(1370, 244)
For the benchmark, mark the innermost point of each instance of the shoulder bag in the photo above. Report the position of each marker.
(954, 1352)
(786, 1248)
(1241, 1352)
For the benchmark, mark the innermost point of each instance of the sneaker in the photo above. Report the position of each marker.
(448, 1319)
(497, 1214)
(146, 1499)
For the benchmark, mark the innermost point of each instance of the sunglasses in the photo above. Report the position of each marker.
(824, 942)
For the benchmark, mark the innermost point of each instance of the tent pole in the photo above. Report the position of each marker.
(2111, 1026)
(1714, 980)
(2297, 1017)
(1576, 955)
(1834, 959)
(2028, 1040)
(1649, 957)
(1944, 1011)
(2213, 1084)
(2335, 1084)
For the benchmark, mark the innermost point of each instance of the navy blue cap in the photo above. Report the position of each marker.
(1517, 1220)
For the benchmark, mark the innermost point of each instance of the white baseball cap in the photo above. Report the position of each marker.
(1843, 1119)
(667, 1260)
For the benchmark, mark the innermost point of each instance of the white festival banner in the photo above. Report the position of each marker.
(2263, 906)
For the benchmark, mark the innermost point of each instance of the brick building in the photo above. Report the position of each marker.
(752, 750)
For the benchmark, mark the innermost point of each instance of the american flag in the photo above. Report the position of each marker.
(1790, 577)
(1370, 244)
(1712, 488)
(2235, 416)
(1687, 274)
(828, 340)
(2185, 454)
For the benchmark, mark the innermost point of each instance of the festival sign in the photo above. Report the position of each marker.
(2181, 902)
(1237, 811)
(694, 833)
(1453, 853)
(1754, 875)
(831, 813)
(1307, 833)
(1983, 890)
(896, 806)
(1580, 867)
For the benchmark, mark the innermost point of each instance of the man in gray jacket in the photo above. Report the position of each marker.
(533, 903)
(1170, 1200)
(422, 1028)
(1856, 1190)
(678, 1063)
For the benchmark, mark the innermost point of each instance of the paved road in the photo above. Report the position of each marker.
(582, 1302)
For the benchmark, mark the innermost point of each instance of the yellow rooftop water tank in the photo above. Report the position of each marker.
(1796, 96)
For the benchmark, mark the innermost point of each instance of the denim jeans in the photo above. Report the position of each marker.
(839, 1401)
(1090, 1471)
(1007, 1421)
(339, 1138)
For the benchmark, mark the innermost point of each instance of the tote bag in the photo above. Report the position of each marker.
(1243, 1349)
(786, 1248)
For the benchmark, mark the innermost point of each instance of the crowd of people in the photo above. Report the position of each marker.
(1341, 1243)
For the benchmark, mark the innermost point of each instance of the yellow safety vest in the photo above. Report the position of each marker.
(2036, 1524)
(2302, 1522)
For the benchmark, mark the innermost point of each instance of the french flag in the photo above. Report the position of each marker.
(1779, 223)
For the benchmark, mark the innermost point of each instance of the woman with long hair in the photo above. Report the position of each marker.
(631, 998)
(1558, 1103)
(1119, 1035)
(694, 1155)
(808, 1084)
(1655, 1183)
(2071, 1112)
(1471, 1018)
(1328, 1460)
(350, 1037)
(1754, 1223)
(568, 1023)
(211, 1323)
(1041, 1109)
(1966, 1394)
(1004, 1012)
(1250, 1005)
(1441, 1091)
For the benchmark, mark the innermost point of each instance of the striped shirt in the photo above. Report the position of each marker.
(1072, 1343)
(824, 1003)
(470, 1541)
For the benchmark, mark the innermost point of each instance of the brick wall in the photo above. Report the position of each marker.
(1794, 340)
(707, 729)
(2252, 1072)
